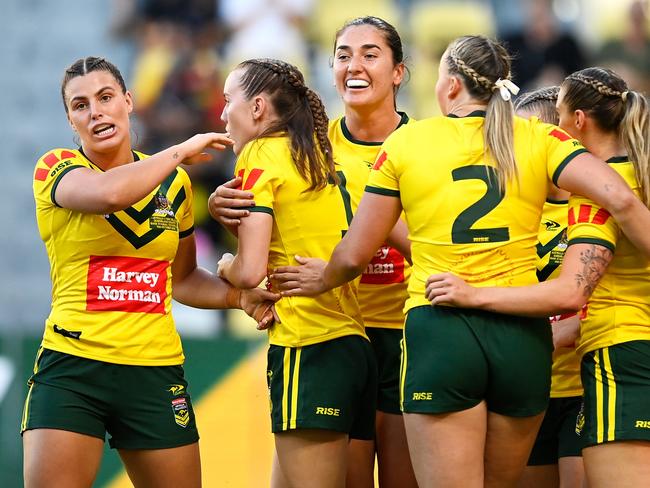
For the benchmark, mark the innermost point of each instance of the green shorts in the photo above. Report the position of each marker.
(331, 385)
(557, 437)
(616, 380)
(455, 358)
(387, 346)
(141, 407)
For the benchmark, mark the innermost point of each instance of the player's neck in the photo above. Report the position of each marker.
(110, 159)
(604, 145)
(371, 125)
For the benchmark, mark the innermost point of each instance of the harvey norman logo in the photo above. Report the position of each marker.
(126, 284)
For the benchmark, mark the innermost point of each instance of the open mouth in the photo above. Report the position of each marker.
(356, 84)
(104, 130)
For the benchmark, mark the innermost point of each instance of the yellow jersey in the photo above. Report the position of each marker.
(307, 223)
(619, 308)
(382, 286)
(458, 219)
(565, 373)
(111, 274)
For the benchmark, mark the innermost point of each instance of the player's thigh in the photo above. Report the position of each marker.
(177, 467)
(55, 458)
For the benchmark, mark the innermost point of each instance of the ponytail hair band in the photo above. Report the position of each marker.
(506, 88)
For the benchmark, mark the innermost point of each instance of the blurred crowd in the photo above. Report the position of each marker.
(183, 48)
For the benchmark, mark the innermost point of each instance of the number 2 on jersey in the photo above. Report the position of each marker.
(461, 230)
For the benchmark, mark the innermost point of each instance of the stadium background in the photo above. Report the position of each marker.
(174, 55)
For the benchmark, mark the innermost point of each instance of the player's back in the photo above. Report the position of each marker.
(458, 218)
(305, 223)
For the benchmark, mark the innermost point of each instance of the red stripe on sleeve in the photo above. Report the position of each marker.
(601, 217)
(50, 160)
(561, 135)
(67, 155)
(380, 160)
(252, 178)
(40, 174)
(572, 217)
(585, 213)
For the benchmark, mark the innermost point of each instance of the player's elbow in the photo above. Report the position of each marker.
(248, 279)
(570, 303)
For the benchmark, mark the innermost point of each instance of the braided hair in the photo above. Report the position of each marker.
(87, 65)
(540, 102)
(605, 97)
(300, 112)
(480, 62)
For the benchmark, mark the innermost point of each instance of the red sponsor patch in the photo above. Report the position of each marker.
(380, 160)
(385, 268)
(561, 135)
(126, 284)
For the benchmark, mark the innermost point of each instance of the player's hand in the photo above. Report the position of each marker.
(449, 289)
(193, 150)
(258, 303)
(227, 204)
(304, 280)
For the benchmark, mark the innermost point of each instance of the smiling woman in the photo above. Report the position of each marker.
(118, 229)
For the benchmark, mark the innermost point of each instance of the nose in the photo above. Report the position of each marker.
(95, 110)
(354, 65)
(224, 116)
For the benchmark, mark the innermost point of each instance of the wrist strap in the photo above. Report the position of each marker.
(233, 298)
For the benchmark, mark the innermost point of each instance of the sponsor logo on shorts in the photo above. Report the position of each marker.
(642, 424)
(176, 389)
(422, 395)
(126, 284)
(181, 411)
(332, 412)
(580, 419)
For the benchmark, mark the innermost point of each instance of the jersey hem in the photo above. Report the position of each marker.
(178, 361)
(317, 340)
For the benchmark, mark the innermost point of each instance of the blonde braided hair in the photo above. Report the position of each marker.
(480, 62)
(605, 97)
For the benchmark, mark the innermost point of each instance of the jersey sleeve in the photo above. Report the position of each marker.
(384, 177)
(185, 214)
(49, 170)
(261, 175)
(591, 224)
(561, 148)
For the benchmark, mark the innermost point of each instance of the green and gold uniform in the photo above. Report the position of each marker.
(382, 286)
(459, 221)
(565, 378)
(557, 435)
(309, 223)
(111, 296)
(615, 333)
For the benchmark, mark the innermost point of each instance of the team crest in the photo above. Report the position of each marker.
(176, 389)
(163, 216)
(181, 411)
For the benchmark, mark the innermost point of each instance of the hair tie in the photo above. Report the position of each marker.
(624, 96)
(506, 88)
